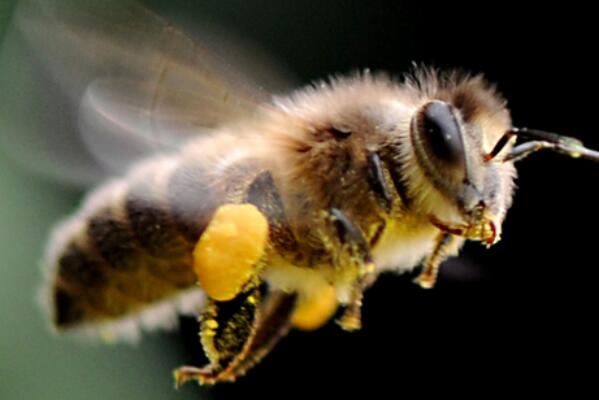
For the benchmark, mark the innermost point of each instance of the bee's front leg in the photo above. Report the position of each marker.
(446, 246)
(358, 248)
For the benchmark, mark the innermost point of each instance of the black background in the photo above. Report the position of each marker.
(518, 318)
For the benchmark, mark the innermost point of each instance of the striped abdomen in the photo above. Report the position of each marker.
(130, 245)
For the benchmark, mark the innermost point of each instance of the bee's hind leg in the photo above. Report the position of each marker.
(274, 323)
(225, 329)
(227, 261)
(237, 334)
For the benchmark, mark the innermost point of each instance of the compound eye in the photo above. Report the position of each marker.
(442, 134)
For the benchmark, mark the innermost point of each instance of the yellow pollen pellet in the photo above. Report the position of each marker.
(312, 312)
(228, 251)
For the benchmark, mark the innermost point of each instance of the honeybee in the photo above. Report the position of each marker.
(312, 195)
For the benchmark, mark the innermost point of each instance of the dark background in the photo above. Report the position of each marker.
(518, 318)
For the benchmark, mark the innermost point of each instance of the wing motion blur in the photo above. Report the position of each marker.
(94, 86)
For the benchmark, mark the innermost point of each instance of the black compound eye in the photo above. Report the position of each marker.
(441, 132)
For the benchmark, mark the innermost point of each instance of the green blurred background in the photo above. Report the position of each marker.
(34, 364)
(518, 316)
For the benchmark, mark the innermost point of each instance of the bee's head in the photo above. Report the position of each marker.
(450, 134)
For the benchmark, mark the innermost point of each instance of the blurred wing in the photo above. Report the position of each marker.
(94, 86)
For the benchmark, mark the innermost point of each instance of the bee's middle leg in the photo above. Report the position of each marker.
(359, 250)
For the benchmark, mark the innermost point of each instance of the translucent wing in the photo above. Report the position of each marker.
(111, 82)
